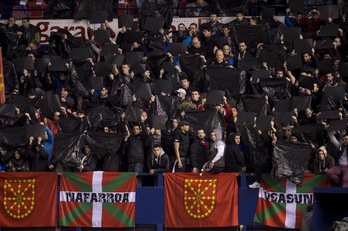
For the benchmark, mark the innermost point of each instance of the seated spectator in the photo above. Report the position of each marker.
(158, 161)
(322, 161)
(17, 163)
(88, 161)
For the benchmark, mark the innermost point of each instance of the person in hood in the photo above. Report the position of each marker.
(322, 161)
(158, 161)
(234, 157)
(216, 152)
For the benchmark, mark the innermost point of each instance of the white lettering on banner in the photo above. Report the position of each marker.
(79, 28)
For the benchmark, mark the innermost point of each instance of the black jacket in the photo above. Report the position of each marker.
(199, 154)
(234, 159)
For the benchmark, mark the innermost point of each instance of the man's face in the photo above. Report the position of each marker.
(280, 74)
(306, 57)
(237, 139)
(157, 151)
(201, 134)
(321, 155)
(196, 43)
(206, 33)
(195, 95)
(87, 150)
(329, 77)
(293, 139)
(308, 112)
(25, 23)
(225, 31)
(104, 92)
(213, 18)
(337, 41)
(125, 69)
(200, 2)
(242, 47)
(345, 140)
(136, 130)
(185, 83)
(219, 56)
(56, 116)
(213, 136)
(239, 17)
(186, 128)
(193, 28)
(103, 26)
(63, 93)
(181, 28)
(226, 49)
(11, 21)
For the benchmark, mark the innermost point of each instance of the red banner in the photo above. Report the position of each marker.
(193, 201)
(28, 199)
(2, 81)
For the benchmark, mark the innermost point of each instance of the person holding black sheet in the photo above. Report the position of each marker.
(135, 147)
(36, 153)
(89, 160)
(17, 163)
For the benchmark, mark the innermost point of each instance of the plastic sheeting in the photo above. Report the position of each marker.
(207, 119)
(10, 75)
(60, 9)
(167, 105)
(290, 160)
(190, 64)
(277, 89)
(156, 10)
(86, 7)
(11, 138)
(69, 146)
(102, 117)
(253, 103)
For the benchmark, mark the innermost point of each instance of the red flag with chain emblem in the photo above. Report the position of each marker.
(2, 81)
(28, 199)
(193, 201)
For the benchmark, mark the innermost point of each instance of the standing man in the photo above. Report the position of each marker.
(199, 151)
(182, 146)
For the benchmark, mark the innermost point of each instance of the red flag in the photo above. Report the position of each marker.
(28, 199)
(193, 201)
(2, 81)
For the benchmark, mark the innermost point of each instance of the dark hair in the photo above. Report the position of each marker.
(157, 146)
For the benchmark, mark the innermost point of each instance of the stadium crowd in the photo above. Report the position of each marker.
(260, 82)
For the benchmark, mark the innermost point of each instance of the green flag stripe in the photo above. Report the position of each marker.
(302, 207)
(75, 213)
(119, 214)
(269, 212)
(273, 183)
(112, 185)
(310, 184)
(78, 182)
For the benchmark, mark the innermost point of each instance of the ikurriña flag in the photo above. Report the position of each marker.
(283, 203)
(193, 200)
(28, 199)
(97, 199)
